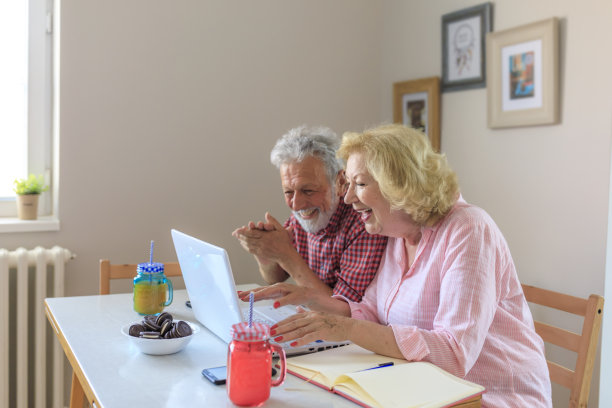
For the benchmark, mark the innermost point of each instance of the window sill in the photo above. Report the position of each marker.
(47, 223)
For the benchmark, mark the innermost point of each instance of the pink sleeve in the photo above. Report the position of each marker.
(366, 309)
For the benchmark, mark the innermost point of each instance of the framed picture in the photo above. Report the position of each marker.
(416, 104)
(523, 71)
(463, 47)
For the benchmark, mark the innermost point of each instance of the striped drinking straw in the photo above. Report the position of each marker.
(251, 299)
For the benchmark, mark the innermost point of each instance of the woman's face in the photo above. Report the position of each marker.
(364, 195)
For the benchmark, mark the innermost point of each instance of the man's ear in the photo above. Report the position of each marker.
(341, 183)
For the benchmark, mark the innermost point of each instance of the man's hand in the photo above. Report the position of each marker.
(268, 241)
(255, 237)
(272, 245)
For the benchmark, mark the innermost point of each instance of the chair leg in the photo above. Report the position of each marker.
(77, 396)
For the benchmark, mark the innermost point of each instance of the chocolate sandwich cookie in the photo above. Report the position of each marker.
(149, 335)
(172, 334)
(162, 318)
(135, 330)
(183, 329)
(150, 322)
(166, 326)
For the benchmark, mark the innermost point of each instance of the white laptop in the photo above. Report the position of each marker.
(212, 292)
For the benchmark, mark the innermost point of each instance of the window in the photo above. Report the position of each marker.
(26, 98)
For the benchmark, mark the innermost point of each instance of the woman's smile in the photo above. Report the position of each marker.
(365, 214)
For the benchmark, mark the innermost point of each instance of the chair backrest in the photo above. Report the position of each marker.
(110, 271)
(584, 345)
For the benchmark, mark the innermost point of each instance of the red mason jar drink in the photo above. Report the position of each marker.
(249, 365)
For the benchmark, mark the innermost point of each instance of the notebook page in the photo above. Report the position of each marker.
(417, 384)
(335, 362)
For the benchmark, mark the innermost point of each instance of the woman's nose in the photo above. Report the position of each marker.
(349, 196)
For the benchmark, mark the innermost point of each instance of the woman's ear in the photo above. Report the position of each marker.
(341, 183)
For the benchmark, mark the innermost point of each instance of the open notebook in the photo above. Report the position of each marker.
(370, 380)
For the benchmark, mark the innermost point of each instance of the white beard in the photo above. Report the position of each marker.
(315, 225)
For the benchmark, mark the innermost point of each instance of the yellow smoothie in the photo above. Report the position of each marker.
(149, 297)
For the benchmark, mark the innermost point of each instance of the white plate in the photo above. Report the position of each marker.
(160, 347)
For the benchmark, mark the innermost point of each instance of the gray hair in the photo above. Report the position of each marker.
(302, 142)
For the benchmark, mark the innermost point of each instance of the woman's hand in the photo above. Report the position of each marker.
(284, 294)
(307, 326)
(328, 319)
(289, 294)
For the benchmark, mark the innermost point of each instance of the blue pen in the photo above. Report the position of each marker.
(381, 365)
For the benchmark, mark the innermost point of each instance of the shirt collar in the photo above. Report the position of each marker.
(430, 230)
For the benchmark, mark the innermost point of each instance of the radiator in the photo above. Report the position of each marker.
(27, 277)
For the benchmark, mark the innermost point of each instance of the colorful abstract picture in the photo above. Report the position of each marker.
(521, 75)
(523, 70)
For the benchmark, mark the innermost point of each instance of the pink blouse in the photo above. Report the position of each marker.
(461, 306)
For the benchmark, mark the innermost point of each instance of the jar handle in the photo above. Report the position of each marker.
(283, 365)
(169, 282)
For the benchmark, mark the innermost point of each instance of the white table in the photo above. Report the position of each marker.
(115, 374)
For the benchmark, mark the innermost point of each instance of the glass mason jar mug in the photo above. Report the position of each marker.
(249, 365)
(152, 289)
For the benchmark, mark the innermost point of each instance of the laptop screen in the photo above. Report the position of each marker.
(209, 282)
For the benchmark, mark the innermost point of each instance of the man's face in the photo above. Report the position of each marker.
(309, 193)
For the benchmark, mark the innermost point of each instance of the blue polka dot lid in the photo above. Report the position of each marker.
(150, 267)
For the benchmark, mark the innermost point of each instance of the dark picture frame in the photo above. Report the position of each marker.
(416, 104)
(463, 47)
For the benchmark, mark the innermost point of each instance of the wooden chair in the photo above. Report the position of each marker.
(110, 271)
(584, 345)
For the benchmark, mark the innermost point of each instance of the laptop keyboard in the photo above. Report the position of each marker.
(272, 314)
(257, 318)
(269, 315)
(260, 318)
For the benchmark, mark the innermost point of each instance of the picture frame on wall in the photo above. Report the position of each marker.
(416, 104)
(523, 71)
(463, 47)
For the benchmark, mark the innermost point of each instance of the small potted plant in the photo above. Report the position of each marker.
(28, 190)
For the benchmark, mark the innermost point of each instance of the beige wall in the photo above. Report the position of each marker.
(546, 187)
(169, 110)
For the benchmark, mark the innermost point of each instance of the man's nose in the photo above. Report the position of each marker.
(299, 202)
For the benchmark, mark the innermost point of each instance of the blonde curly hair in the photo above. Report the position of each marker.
(409, 173)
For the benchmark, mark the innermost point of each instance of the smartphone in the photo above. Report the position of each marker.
(215, 375)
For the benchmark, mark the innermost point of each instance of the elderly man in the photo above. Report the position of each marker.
(323, 245)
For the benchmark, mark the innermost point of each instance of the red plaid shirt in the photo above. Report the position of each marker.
(343, 254)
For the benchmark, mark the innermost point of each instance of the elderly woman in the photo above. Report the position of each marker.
(446, 290)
